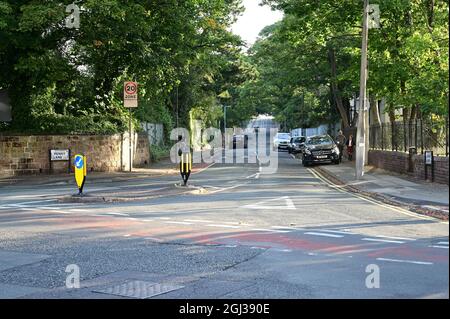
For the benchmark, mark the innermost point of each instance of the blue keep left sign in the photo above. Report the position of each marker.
(79, 162)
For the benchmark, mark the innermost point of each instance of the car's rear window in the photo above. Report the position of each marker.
(283, 135)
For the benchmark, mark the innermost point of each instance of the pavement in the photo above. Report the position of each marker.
(420, 196)
(290, 234)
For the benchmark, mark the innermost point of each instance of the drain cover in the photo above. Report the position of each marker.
(138, 289)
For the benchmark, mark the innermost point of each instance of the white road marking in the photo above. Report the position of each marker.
(28, 209)
(118, 214)
(384, 240)
(337, 232)
(164, 218)
(48, 208)
(230, 246)
(227, 188)
(289, 205)
(284, 227)
(79, 210)
(406, 261)
(322, 234)
(254, 247)
(147, 220)
(198, 220)
(270, 230)
(437, 246)
(179, 223)
(225, 226)
(443, 243)
(390, 237)
(127, 235)
(132, 218)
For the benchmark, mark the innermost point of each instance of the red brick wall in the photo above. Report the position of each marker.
(399, 162)
(22, 154)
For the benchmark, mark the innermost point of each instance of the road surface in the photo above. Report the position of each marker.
(250, 235)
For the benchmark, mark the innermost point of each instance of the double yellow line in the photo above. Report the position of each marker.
(371, 200)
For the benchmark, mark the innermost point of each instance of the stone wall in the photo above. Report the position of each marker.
(21, 155)
(399, 162)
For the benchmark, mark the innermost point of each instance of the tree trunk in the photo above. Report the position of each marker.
(430, 14)
(375, 111)
(335, 88)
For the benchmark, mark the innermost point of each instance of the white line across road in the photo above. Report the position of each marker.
(323, 234)
(198, 221)
(437, 246)
(338, 232)
(224, 226)
(178, 223)
(270, 230)
(285, 227)
(118, 214)
(395, 238)
(406, 261)
(383, 240)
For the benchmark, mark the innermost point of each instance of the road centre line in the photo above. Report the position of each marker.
(383, 240)
(406, 261)
(437, 246)
(324, 235)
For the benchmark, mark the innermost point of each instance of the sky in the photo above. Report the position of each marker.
(254, 19)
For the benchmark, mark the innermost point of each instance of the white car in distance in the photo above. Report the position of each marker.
(281, 141)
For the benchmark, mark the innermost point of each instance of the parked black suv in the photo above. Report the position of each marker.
(320, 149)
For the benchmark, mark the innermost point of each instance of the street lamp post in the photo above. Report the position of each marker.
(360, 135)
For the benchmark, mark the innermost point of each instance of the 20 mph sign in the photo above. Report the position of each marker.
(130, 94)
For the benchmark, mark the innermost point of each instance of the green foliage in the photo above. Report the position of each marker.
(316, 49)
(68, 76)
(158, 152)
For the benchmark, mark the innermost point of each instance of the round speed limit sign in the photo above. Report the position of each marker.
(130, 91)
(130, 87)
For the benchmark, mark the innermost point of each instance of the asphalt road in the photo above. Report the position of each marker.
(250, 235)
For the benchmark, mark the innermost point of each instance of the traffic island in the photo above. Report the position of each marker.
(436, 211)
(130, 194)
(126, 195)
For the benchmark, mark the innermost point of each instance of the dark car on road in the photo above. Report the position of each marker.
(296, 145)
(320, 149)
